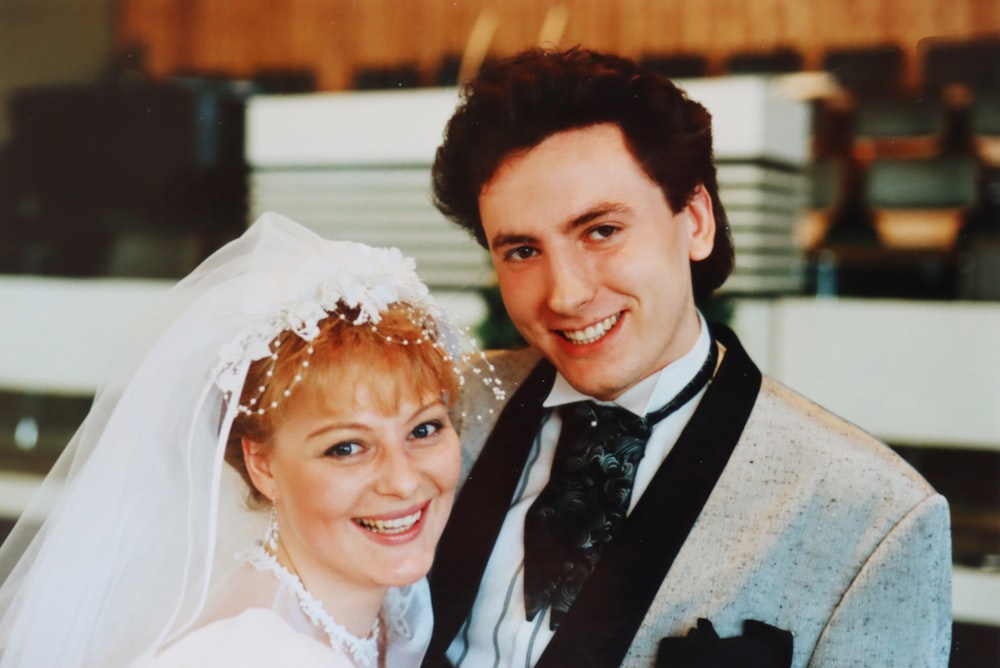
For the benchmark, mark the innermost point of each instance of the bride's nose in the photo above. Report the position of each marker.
(397, 474)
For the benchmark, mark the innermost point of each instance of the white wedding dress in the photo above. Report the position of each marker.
(255, 621)
(255, 637)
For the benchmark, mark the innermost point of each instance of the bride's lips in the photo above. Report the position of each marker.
(395, 527)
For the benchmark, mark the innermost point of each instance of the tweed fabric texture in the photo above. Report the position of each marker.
(814, 526)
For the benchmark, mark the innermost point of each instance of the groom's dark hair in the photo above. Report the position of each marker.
(517, 103)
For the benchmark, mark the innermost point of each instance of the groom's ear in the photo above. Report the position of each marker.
(701, 221)
(258, 463)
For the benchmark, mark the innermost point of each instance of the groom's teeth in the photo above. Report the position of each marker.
(398, 525)
(593, 332)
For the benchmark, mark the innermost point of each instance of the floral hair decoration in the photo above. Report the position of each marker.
(362, 279)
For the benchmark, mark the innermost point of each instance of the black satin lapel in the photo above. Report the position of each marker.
(600, 626)
(480, 510)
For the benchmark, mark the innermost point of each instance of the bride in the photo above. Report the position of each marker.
(322, 373)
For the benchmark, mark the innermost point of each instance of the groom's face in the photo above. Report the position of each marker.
(593, 265)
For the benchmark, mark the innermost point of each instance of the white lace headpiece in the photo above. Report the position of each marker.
(364, 279)
(143, 503)
(343, 273)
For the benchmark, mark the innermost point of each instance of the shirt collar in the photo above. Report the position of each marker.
(650, 393)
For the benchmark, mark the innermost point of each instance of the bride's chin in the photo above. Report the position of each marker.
(406, 573)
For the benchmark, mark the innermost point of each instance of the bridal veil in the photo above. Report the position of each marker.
(139, 517)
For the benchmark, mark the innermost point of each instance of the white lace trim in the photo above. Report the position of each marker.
(396, 605)
(363, 650)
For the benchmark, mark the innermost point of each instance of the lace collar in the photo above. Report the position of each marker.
(364, 651)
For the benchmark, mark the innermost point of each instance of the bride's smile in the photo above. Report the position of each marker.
(396, 525)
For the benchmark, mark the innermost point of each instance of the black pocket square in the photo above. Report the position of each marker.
(760, 646)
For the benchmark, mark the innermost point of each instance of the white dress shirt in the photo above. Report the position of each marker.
(497, 632)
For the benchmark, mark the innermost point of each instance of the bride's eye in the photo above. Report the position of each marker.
(427, 429)
(345, 449)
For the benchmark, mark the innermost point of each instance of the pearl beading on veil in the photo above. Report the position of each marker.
(366, 280)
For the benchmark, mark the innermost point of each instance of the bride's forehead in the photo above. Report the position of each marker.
(375, 380)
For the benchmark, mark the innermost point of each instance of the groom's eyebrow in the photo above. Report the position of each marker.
(593, 213)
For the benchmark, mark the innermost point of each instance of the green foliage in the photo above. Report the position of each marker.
(497, 331)
(718, 308)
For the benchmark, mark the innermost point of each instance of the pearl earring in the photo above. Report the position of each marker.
(271, 533)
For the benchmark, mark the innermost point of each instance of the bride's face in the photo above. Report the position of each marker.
(363, 478)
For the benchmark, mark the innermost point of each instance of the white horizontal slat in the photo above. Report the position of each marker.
(323, 217)
(768, 263)
(759, 283)
(16, 491)
(356, 128)
(783, 222)
(352, 204)
(743, 174)
(61, 335)
(764, 239)
(756, 197)
(416, 177)
(975, 596)
(911, 372)
(335, 200)
(381, 207)
(752, 119)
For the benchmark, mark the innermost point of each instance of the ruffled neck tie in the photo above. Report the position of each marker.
(588, 494)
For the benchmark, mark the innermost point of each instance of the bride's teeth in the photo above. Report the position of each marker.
(591, 333)
(398, 525)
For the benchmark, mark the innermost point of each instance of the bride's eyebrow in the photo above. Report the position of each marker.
(335, 426)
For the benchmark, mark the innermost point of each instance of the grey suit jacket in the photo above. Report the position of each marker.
(768, 508)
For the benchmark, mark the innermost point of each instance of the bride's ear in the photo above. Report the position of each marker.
(258, 463)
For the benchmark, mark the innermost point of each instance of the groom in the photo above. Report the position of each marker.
(645, 497)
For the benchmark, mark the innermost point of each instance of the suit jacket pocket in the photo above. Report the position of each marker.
(760, 646)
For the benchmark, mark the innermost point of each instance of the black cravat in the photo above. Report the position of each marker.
(587, 497)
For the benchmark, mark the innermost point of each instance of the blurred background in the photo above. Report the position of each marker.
(858, 144)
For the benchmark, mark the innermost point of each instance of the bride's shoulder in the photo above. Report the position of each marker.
(255, 637)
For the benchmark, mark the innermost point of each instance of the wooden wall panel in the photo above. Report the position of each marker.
(766, 22)
(159, 27)
(225, 38)
(985, 15)
(598, 24)
(334, 38)
(652, 28)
